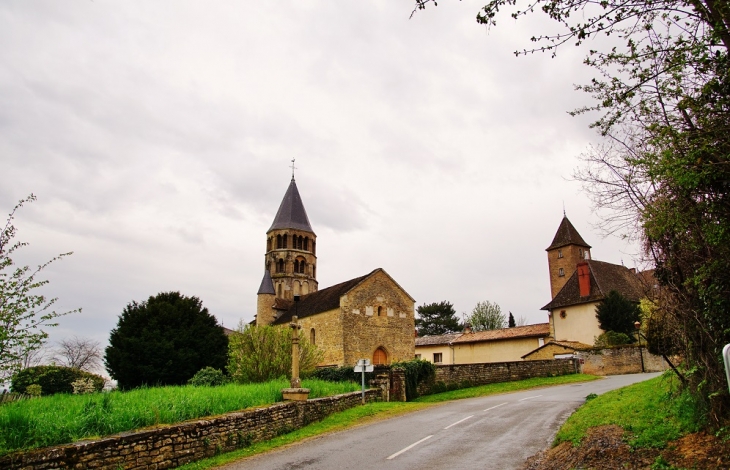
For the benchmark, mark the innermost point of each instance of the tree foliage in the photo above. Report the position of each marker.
(511, 322)
(262, 353)
(24, 313)
(164, 340)
(486, 316)
(437, 319)
(78, 353)
(662, 91)
(618, 314)
(53, 379)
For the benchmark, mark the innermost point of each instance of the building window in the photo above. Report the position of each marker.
(280, 266)
(296, 265)
(437, 358)
(283, 239)
(561, 272)
(560, 253)
(268, 244)
(306, 243)
(279, 243)
(580, 254)
(380, 311)
(312, 336)
(380, 356)
(418, 356)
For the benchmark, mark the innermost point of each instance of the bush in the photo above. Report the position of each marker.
(208, 377)
(263, 353)
(416, 371)
(611, 338)
(342, 374)
(53, 379)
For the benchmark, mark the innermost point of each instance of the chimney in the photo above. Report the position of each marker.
(584, 279)
(467, 329)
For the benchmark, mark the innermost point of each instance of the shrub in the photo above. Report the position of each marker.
(341, 374)
(416, 371)
(262, 353)
(611, 338)
(208, 377)
(53, 379)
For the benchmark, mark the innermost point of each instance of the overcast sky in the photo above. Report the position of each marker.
(158, 137)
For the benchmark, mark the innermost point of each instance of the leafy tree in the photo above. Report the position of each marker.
(618, 314)
(611, 338)
(486, 316)
(24, 314)
(53, 379)
(262, 353)
(437, 319)
(511, 323)
(662, 89)
(79, 353)
(208, 377)
(164, 340)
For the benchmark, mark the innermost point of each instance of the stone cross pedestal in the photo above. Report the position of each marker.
(296, 392)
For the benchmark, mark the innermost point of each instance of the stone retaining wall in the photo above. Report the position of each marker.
(493, 372)
(175, 445)
(620, 360)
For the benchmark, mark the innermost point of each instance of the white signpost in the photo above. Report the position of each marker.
(363, 365)
(726, 357)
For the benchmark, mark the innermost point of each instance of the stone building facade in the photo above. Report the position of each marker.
(369, 317)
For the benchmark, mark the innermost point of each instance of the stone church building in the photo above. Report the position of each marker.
(369, 317)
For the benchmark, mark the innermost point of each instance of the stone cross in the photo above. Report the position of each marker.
(294, 325)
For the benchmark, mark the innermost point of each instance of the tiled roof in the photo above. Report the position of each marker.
(436, 339)
(316, 302)
(604, 277)
(567, 235)
(267, 285)
(574, 345)
(527, 331)
(291, 213)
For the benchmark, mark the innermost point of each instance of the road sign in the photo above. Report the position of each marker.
(368, 368)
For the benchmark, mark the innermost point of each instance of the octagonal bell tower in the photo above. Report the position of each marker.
(290, 261)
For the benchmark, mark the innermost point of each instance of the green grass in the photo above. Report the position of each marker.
(504, 387)
(62, 419)
(653, 411)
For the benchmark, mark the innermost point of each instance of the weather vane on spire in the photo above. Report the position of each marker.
(292, 168)
(563, 208)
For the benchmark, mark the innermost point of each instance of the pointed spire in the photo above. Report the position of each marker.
(567, 235)
(267, 285)
(291, 213)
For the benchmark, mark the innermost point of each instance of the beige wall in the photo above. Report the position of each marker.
(328, 335)
(365, 330)
(580, 323)
(427, 352)
(494, 351)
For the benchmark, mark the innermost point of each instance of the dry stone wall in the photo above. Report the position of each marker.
(172, 446)
(620, 360)
(493, 372)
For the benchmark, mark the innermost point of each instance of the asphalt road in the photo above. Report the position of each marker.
(495, 432)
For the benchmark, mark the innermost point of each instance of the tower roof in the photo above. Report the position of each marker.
(567, 235)
(267, 285)
(291, 213)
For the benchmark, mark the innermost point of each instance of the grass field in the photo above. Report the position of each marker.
(61, 419)
(654, 411)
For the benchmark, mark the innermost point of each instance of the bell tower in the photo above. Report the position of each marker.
(564, 253)
(290, 261)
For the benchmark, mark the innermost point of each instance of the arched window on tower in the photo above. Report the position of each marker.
(300, 242)
(380, 311)
(283, 239)
(312, 336)
(314, 271)
(279, 242)
(268, 244)
(296, 265)
(314, 247)
(302, 266)
(278, 290)
(280, 266)
(306, 243)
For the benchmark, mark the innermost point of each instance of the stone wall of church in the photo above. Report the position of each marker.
(378, 314)
(327, 334)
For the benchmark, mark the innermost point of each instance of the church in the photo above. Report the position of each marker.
(369, 317)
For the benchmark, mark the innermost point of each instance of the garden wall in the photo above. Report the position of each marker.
(175, 445)
(459, 375)
(619, 360)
